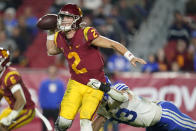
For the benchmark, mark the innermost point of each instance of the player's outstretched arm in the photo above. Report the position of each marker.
(108, 43)
(115, 94)
(98, 123)
(51, 47)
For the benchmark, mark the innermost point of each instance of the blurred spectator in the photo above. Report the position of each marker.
(151, 66)
(161, 60)
(148, 4)
(51, 92)
(190, 7)
(107, 7)
(130, 27)
(19, 39)
(181, 56)
(118, 63)
(180, 29)
(170, 50)
(18, 59)
(10, 20)
(110, 28)
(4, 4)
(130, 30)
(56, 6)
(114, 31)
(25, 31)
(175, 67)
(7, 43)
(2, 26)
(31, 20)
(91, 4)
(193, 44)
(128, 12)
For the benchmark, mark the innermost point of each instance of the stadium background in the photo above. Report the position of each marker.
(163, 32)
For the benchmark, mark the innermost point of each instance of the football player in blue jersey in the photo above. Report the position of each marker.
(120, 104)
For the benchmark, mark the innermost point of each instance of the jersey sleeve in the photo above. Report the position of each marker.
(12, 78)
(90, 34)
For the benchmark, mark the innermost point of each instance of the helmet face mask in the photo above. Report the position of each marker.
(69, 10)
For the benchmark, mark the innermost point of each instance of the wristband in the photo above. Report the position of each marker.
(128, 55)
(50, 37)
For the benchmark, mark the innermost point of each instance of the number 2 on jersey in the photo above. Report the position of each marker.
(94, 33)
(76, 62)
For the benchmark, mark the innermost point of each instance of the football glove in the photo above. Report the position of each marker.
(96, 84)
(8, 120)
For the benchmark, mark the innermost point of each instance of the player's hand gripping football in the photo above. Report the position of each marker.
(94, 83)
(139, 60)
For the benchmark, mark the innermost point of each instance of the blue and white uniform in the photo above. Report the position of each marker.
(172, 119)
(140, 112)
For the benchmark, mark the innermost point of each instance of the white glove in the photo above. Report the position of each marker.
(8, 120)
(94, 83)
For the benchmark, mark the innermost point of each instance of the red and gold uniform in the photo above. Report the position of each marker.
(85, 62)
(10, 77)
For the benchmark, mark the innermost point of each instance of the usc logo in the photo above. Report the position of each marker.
(4, 53)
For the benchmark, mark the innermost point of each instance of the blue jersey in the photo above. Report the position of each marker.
(172, 119)
(51, 93)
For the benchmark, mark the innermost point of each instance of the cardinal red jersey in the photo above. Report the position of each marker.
(10, 76)
(85, 60)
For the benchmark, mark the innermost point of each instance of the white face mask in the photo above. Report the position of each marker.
(64, 27)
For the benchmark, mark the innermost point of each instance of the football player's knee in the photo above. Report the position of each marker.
(63, 123)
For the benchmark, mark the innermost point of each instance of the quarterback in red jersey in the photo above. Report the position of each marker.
(80, 47)
(21, 108)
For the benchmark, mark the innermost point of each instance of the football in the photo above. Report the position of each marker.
(47, 22)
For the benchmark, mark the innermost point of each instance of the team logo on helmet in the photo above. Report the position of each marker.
(4, 57)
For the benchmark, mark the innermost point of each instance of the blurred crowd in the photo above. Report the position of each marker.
(17, 31)
(118, 20)
(179, 53)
